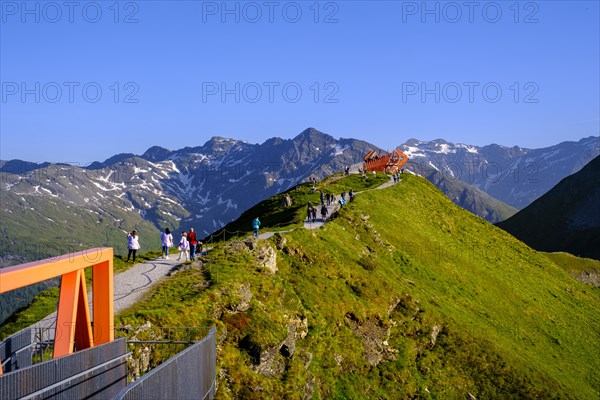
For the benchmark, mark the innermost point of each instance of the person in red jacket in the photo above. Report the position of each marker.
(193, 242)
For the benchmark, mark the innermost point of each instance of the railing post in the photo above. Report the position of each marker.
(102, 294)
(73, 317)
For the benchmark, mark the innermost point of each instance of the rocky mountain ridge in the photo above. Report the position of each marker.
(513, 175)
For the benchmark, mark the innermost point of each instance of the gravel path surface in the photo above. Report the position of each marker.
(335, 206)
(129, 287)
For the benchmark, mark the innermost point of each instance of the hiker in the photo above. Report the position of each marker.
(351, 195)
(322, 197)
(344, 196)
(167, 242)
(133, 244)
(255, 226)
(342, 202)
(309, 211)
(193, 242)
(323, 212)
(314, 214)
(184, 246)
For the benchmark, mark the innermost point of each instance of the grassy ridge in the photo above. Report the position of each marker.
(404, 295)
(274, 216)
(574, 265)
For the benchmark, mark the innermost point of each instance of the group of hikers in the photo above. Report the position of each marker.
(327, 200)
(189, 245)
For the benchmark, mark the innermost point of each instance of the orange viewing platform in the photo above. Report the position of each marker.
(386, 162)
(73, 325)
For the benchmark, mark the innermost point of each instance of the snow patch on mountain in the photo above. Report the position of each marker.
(338, 150)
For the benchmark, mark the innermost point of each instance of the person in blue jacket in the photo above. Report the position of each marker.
(255, 226)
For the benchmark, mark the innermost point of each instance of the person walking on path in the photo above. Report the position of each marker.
(323, 212)
(322, 197)
(193, 242)
(184, 246)
(351, 195)
(309, 211)
(167, 242)
(314, 214)
(255, 226)
(133, 244)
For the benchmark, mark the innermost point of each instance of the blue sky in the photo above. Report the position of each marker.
(84, 82)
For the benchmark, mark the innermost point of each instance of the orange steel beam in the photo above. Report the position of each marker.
(102, 295)
(73, 326)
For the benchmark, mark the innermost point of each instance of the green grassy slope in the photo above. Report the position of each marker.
(404, 295)
(586, 270)
(274, 217)
(27, 231)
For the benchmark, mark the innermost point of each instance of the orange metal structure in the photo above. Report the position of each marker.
(386, 162)
(73, 325)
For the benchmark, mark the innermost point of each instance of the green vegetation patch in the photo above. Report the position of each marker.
(404, 295)
(274, 216)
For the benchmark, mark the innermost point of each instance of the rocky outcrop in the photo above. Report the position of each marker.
(374, 335)
(264, 255)
(139, 361)
(271, 362)
(589, 277)
(266, 259)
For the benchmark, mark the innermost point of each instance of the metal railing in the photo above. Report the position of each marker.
(97, 372)
(166, 362)
(190, 374)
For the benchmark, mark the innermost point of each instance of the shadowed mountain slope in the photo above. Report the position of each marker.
(567, 218)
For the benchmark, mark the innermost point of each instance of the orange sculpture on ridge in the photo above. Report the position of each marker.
(385, 162)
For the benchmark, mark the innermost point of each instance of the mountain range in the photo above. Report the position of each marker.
(48, 208)
(401, 294)
(513, 175)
